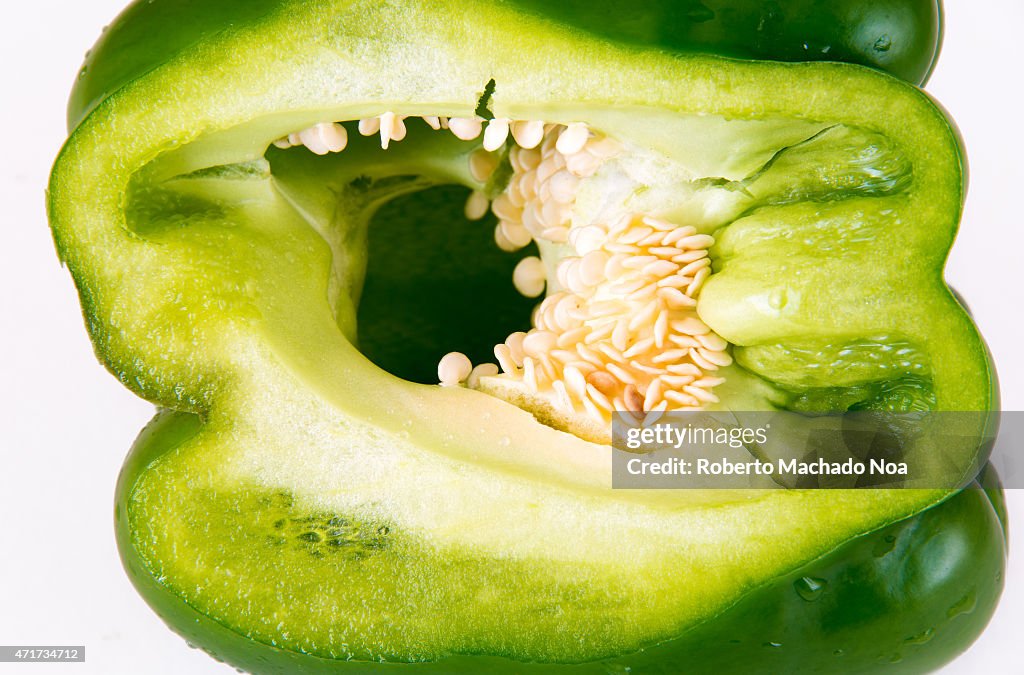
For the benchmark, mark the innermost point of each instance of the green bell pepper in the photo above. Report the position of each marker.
(308, 506)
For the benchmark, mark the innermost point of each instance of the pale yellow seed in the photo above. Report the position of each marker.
(665, 251)
(677, 381)
(563, 186)
(700, 394)
(639, 348)
(587, 239)
(603, 147)
(692, 268)
(660, 268)
(720, 359)
(691, 325)
(531, 221)
(483, 370)
(573, 138)
(582, 164)
(634, 235)
(504, 356)
(658, 223)
(563, 355)
(702, 362)
(709, 340)
(670, 355)
(496, 134)
(683, 341)
(593, 410)
(620, 373)
(505, 209)
(311, 139)
(369, 126)
(515, 346)
(529, 159)
(392, 128)
(616, 247)
(528, 134)
(632, 398)
(600, 333)
(525, 193)
(477, 205)
(604, 382)
(651, 239)
(530, 374)
(655, 414)
(324, 138)
(644, 316)
(545, 370)
(645, 368)
(515, 192)
(605, 308)
(584, 367)
(674, 281)
(628, 286)
(661, 329)
(589, 354)
(676, 298)
(554, 214)
(674, 236)
(514, 233)
(529, 276)
(696, 241)
(453, 368)
(684, 369)
(640, 261)
(643, 294)
(680, 398)
(563, 397)
(689, 256)
(611, 352)
(503, 243)
(575, 381)
(547, 168)
(334, 135)
(464, 128)
(537, 343)
(598, 398)
(614, 268)
(572, 276)
(559, 235)
(620, 336)
(482, 165)
(698, 281)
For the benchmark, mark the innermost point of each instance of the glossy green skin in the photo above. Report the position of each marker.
(901, 37)
(904, 599)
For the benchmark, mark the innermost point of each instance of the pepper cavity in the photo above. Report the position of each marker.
(618, 329)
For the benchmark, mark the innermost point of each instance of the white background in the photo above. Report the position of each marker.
(66, 423)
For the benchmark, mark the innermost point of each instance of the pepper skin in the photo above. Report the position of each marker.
(299, 508)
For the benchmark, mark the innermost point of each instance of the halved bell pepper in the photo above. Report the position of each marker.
(312, 500)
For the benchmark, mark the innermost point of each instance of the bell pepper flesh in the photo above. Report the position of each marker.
(225, 280)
